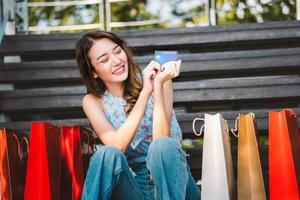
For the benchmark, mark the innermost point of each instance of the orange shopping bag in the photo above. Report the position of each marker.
(250, 182)
(284, 155)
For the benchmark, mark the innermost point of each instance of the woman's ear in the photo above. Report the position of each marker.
(95, 75)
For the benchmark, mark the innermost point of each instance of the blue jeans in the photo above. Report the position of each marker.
(165, 175)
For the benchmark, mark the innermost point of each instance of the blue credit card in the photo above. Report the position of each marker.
(165, 56)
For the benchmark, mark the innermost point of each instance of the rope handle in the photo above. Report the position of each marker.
(21, 154)
(201, 129)
(235, 129)
(292, 113)
(27, 144)
(253, 115)
(93, 144)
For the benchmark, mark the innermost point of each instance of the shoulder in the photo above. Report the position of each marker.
(91, 100)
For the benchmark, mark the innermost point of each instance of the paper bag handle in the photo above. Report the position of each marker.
(235, 129)
(292, 113)
(21, 155)
(93, 143)
(201, 129)
(27, 144)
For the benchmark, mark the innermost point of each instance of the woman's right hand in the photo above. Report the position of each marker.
(170, 70)
(149, 74)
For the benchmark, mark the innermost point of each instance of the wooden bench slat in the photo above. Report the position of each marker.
(166, 38)
(245, 82)
(212, 91)
(187, 57)
(193, 66)
(220, 83)
(185, 120)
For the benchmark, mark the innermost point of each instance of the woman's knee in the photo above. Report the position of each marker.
(163, 145)
(107, 152)
(163, 153)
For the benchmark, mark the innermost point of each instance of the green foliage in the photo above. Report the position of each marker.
(243, 11)
(177, 13)
(132, 11)
(63, 15)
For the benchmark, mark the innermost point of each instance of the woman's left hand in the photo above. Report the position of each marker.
(169, 71)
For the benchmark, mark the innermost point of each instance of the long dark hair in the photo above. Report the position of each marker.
(132, 85)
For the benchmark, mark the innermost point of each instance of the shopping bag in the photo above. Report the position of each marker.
(284, 155)
(77, 145)
(44, 163)
(250, 182)
(217, 169)
(13, 158)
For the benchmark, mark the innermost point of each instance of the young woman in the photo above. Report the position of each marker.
(132, 114)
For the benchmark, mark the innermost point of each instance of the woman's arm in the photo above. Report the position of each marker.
(162, 111)
(168, 99)
(161, 125)
(122, 137)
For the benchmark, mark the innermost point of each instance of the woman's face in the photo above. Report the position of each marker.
(109, 61)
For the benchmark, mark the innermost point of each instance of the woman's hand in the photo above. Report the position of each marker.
(149, 73)
(168, 71)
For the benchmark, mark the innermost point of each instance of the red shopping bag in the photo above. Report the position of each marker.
(13, 158)
(44, 163)
(77, 147)
(284, 159)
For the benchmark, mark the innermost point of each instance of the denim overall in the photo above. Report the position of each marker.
(147, 170)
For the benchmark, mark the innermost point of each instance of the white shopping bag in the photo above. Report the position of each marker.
(217, 170)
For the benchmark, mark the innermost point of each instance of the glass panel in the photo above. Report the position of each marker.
(169, 14)
(63, 15)
(247, 11)
(163, 13)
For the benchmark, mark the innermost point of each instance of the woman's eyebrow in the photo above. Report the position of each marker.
(105, 53)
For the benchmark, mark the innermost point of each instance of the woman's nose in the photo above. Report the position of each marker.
(115, 60)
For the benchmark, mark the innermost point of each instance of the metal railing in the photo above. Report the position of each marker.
(104, 12)
(69, 3)
(111, 24)
(20, 10)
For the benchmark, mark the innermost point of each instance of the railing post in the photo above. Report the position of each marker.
(210, 12)
(101, 11)
(107, 13)
(213, 13)
(298, 9)
(21, 16)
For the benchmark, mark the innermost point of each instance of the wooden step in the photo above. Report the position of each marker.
(244, 36)
(194, 66)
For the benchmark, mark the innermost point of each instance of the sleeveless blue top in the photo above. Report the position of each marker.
(138, 148)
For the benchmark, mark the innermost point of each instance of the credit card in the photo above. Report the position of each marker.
(165, 56)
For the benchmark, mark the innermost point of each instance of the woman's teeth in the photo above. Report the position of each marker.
(119, 71)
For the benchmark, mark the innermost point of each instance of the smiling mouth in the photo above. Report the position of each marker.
(119, 71)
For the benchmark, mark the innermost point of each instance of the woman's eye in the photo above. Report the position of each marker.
(103, 61)
(118, 51)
